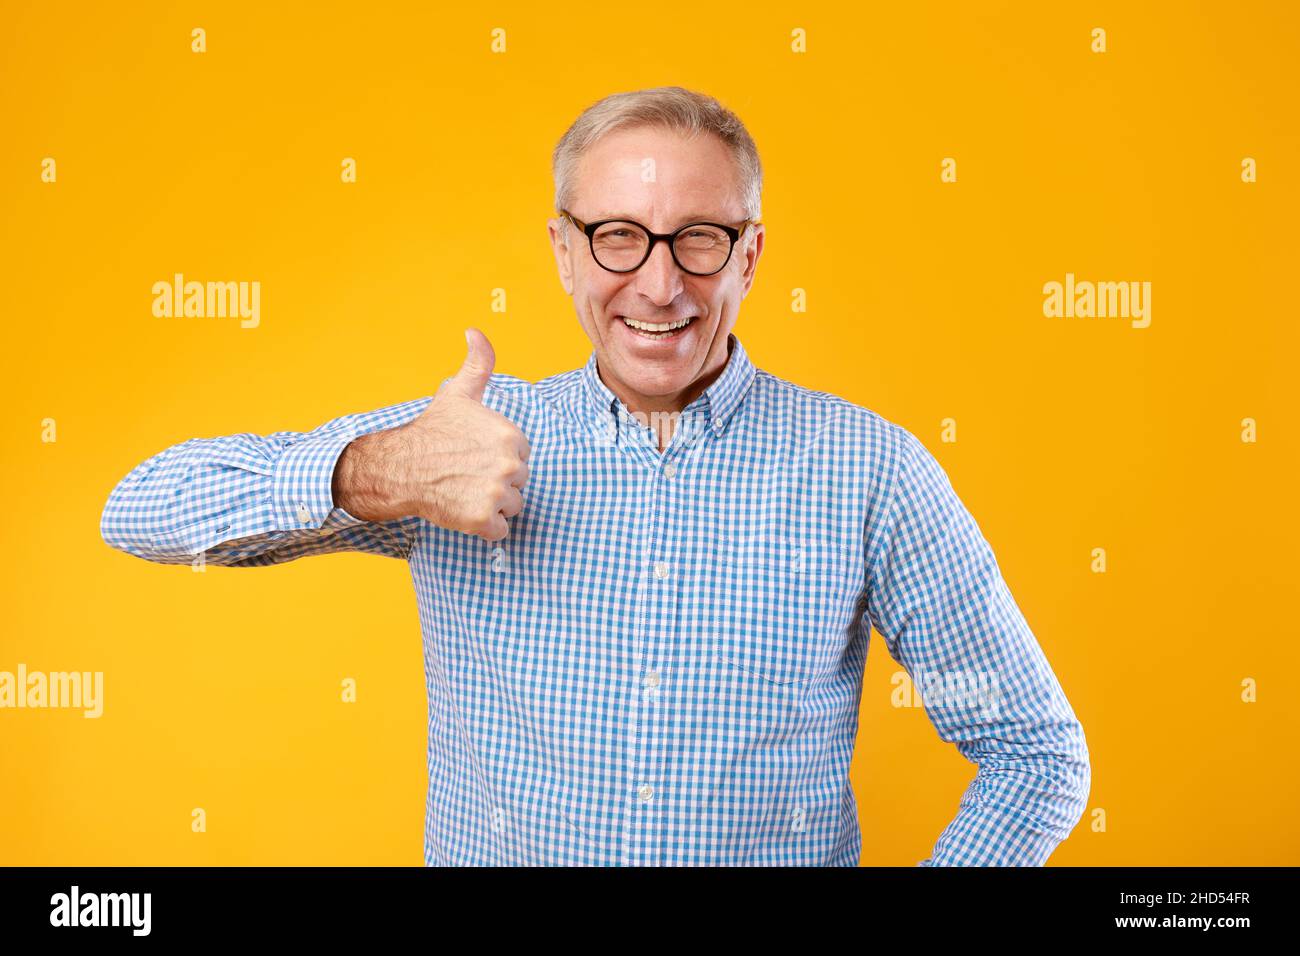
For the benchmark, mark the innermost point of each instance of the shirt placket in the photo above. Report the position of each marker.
(659, 584)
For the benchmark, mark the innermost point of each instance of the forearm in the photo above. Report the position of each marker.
(1017, 810)
(243, 500)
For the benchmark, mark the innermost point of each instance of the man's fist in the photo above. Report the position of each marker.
(460, 465)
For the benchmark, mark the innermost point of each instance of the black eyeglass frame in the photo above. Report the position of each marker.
(589, 230)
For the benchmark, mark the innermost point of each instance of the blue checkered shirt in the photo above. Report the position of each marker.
(661, 664)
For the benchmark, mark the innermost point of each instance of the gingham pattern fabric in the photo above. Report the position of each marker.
(662, 662)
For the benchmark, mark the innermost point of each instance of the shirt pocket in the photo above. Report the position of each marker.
(783, 603)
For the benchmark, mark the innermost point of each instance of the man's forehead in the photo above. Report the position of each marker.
(632, 173)
(716, 214)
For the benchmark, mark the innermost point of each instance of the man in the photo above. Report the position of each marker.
(646, 586)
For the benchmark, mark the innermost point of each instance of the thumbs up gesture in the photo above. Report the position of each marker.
(458, 464)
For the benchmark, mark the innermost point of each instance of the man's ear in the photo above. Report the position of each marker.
(753, 249)
(560, 236)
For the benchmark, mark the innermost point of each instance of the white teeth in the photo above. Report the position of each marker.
(655, 326)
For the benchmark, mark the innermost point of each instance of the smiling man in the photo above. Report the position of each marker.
(647, 585)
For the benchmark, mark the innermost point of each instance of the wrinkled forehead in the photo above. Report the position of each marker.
(658, 177)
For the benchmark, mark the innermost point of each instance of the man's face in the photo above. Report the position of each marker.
(693, 180)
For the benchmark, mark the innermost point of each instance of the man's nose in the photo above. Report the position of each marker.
(659, 279)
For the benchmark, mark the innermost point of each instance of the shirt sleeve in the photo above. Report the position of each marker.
(937, 597)
(248, 500)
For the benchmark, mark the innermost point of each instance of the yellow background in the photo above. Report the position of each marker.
(925, 303)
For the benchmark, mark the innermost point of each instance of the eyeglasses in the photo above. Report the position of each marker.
(623, 245)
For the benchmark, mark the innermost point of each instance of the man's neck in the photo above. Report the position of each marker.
(659, 413)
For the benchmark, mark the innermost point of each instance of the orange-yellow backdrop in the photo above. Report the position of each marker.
(925, 303)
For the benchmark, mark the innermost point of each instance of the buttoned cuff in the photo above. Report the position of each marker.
(302, 496)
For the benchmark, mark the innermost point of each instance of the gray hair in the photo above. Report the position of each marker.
(669, 107)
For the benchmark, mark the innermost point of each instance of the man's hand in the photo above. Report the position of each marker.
(460, 465)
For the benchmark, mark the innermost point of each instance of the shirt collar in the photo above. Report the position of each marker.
(716, 405)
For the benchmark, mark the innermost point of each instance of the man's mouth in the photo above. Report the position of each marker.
(657, 330)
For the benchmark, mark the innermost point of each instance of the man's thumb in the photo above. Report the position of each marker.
(474, 373)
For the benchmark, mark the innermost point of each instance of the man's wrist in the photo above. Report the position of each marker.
(364, 483)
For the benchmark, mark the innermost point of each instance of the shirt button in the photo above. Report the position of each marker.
(717, 424)
(661, 570)
(670, 469)
(303, 514)
(646, 792)
(652, 679)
